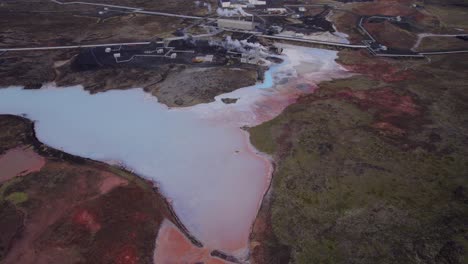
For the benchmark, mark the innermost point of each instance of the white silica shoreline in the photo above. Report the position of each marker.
(199, 156)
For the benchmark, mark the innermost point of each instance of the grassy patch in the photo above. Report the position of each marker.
(357, 82)
(6, 185)
(345, 194)
(336, 171)
(262, 139)
(442, 43)
(449, 15)
(17, 197)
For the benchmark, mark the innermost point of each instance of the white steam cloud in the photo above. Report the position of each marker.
(232, 12)
(242, 46)
(208, 6)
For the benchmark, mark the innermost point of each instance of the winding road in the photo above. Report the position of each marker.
(367, 44)
(132, 9)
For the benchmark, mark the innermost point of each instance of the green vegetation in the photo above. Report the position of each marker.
(442, 43)
(449, 15)
(6, 185)
(345, 193)
(17, 197)
(358, 82)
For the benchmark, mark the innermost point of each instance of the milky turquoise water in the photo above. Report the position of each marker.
(200, 166)
(198, 155)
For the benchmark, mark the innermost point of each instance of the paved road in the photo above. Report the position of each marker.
(364, 29)
(416, 54)
(132, 9)
(74, 46)
(175, 38)
(421, 36)
(140, 10)
(443, 52)
(314, 5)
(328, 43)
(106, 44)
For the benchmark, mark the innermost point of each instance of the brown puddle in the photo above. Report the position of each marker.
(172, 247)
(19, 161)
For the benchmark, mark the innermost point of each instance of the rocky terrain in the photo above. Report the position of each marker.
(200, 85)
(44, 23)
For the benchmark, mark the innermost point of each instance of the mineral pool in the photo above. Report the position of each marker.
(199, 156)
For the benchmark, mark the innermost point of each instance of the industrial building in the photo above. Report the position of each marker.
(236, 24)
(276, 10)
(257, 2)
(225, 3)
(241, 3)
(200, 59)
(250, 58)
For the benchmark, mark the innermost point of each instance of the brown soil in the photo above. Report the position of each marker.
(386, 8)
(384, 70)
(19, 161)
(391, 35)
(25, 24)
(394, 115)
(172, 247)
(11, 221)
(346, 22)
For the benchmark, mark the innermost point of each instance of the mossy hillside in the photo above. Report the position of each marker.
(449, 15)
(343, 193)
(337, 178)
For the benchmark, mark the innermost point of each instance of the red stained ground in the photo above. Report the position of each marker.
(127, 255)
(391, 103)
(19, 161)
(82, 212)
(388, 129)
(388, 8)
(172, 247)
(87, 220)
(140, 217)
(26, 249)
(382, 71)
(394, 113)
(271, 106)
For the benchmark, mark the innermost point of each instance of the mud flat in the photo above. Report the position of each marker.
(199, 155)
(173, 247)
(19, 161)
